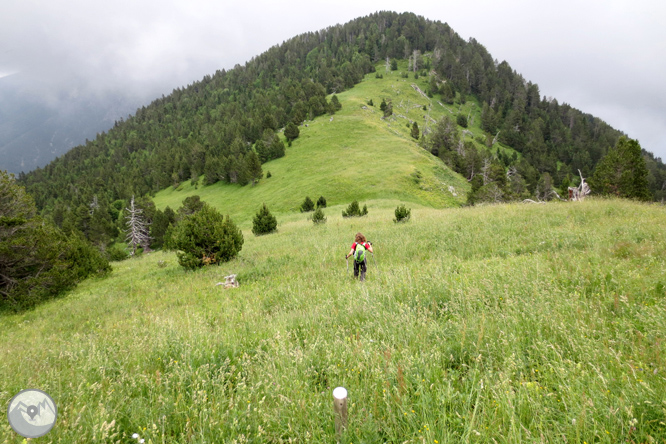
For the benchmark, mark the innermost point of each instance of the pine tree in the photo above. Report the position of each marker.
(264, 222)
(337, 106)
(137, 229)
(353, 210)
(321, 202)
(307, 205)
(318, 217)
(37, 260)
(622, 172)
(291, 132)
(206, 238)
(253, 167)
(415, 131)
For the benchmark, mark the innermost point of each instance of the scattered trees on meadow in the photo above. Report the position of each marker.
(353, 210)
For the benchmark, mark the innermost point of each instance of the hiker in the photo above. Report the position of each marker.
(358, 250)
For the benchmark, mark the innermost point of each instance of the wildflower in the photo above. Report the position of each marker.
(135, 436)
(141, 441)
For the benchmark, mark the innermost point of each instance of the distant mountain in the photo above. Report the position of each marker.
(217, 126)
(33, 132)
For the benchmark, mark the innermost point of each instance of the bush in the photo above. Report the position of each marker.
(206, 237)
(402, 214)
(37, 260)
(307, 205)
(321, 202)
(318, 216)
(291, 132)
(268, 174)
(116, 253)
(462, 120)
(353, 210)
(264, 222)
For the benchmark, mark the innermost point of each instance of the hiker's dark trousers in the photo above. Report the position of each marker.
(362, 266)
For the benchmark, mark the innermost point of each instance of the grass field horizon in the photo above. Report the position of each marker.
(505, 323)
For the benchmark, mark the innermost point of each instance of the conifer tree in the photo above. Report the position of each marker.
(622, 172)
(307, 205)
(37, 260)
(291, 132)
(318, 216)
(264, 222)
(253, 167)
(206, 238)
(415, 131)
(337, 106)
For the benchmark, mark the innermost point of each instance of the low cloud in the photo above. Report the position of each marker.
(599, 56)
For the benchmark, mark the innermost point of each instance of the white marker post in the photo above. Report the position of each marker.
(340, 407)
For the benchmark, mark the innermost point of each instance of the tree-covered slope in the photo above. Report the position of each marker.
(217, 123)
(356, 154)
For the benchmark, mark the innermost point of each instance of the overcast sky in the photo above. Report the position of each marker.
(607, 58)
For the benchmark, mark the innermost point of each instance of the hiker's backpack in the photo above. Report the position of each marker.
(359, 253)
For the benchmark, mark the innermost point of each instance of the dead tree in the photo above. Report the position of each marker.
(578, 193)
(137, 228)
(229, 282)
(495, 138)
(486, 170)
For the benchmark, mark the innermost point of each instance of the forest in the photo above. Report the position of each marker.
(227, 124)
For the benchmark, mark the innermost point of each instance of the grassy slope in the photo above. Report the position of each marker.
(512, 323)
(354, 156)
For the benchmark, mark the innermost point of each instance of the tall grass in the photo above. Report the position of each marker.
(506, 324)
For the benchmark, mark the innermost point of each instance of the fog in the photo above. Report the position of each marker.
(602, 57)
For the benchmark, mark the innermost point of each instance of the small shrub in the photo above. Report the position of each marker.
(307, 205)
(402, 214)
(116, 253)
(268, 174)
(462, 120)
(321, 202)
(205, 238)
(371, 103)
(353, 210)
(264, 222)
(318, 216)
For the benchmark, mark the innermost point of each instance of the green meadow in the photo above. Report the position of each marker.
(507, 324)
(353, 155)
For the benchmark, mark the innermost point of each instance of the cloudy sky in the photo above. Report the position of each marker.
(607, 58)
